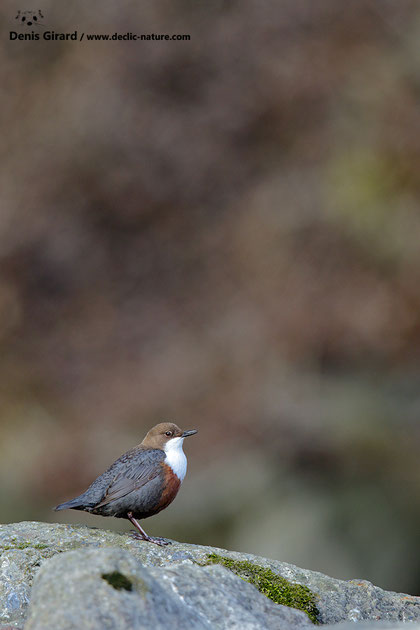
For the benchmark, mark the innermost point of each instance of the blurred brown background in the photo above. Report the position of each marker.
(223, 233)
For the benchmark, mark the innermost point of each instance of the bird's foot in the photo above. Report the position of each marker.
(162, 542)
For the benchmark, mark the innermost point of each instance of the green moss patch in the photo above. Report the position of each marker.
(23, 545)
(273, 586)
(118, 581)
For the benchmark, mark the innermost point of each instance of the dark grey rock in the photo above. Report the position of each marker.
(24, 547)
(95, 589)
(226, 601)
(14, 584)
(103, 588)
(373, 625)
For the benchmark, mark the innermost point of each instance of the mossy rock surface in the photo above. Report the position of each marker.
(251, 586)
(273, 586)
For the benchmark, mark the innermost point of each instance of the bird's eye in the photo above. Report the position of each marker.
(168, 433)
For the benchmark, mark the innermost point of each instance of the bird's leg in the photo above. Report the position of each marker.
(141, 534)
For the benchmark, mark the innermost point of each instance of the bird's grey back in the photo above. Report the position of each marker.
(134, 464)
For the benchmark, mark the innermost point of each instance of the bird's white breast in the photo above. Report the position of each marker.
(175, 457)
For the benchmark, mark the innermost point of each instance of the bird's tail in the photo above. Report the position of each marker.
(74, 504)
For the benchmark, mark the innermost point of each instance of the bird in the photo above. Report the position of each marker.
(140, 483)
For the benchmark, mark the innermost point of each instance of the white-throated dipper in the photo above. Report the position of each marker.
(140, 483)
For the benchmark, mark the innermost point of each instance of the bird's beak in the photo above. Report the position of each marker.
(187, 433)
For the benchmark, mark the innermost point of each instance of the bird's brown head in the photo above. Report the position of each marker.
(160, 435)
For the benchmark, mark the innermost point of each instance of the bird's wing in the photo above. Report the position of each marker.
(138, 471)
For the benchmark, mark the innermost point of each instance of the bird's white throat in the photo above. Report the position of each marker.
(175, 457)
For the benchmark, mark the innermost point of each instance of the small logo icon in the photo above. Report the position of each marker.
(30, 18)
